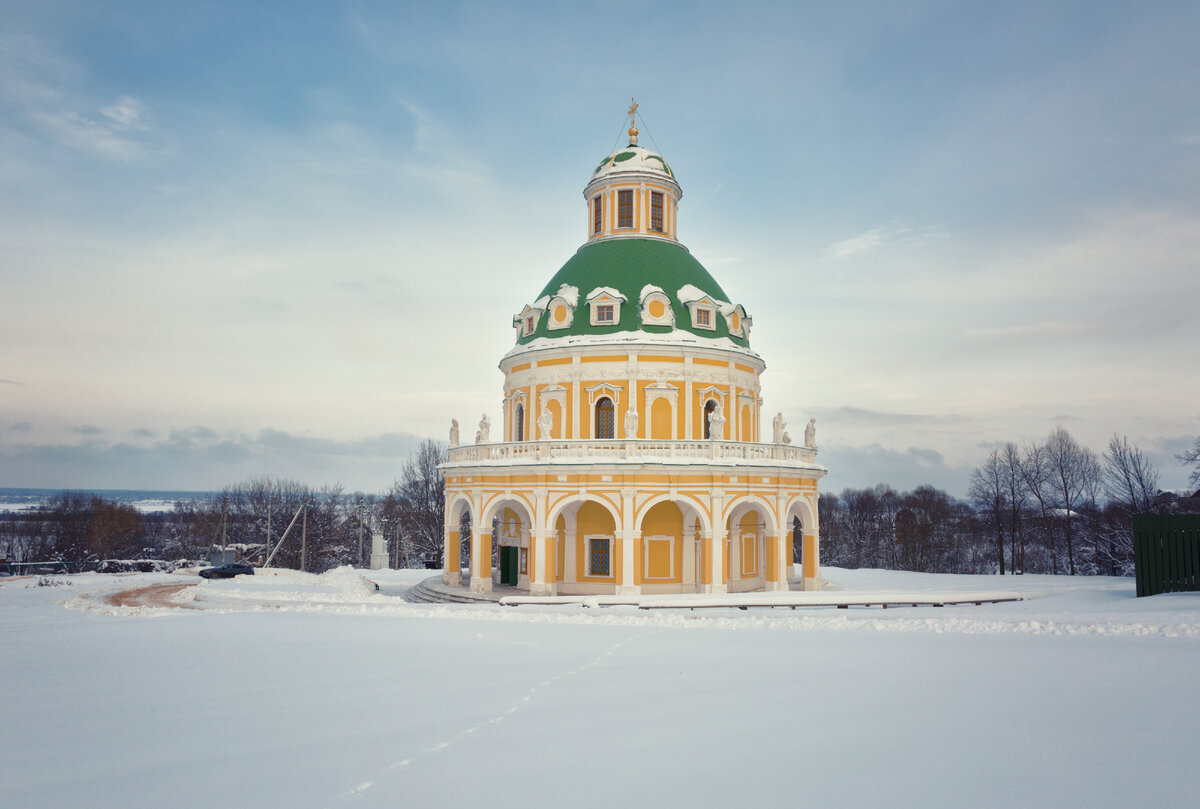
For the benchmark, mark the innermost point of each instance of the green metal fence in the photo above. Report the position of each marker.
(1166, 553)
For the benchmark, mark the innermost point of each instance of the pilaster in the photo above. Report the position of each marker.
(481, 562)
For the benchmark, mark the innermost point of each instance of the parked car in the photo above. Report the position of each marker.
(227, 571)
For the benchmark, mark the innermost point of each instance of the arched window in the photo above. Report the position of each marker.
(709, 407)
(606, 419)
(519, 423)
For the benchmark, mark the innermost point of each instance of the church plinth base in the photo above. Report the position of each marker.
(541, 588)
(773, 586)
(627, 590)
(452, 578)
(480, 585)
(812, 584)
(715, 588)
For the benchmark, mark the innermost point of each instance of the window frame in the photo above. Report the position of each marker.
(590, 554)
(656, 212)
(603, 309)
(612, 426)
(625, 209)
(597, 214)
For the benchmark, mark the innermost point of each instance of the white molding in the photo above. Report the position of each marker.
(554, 325)
(668, 316)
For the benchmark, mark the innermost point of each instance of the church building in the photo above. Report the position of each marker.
(629, 459)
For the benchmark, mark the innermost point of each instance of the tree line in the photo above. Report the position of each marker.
(303, 527)
(1045, 507)
(1048, 507)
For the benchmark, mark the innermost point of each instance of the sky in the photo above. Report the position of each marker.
(288, 239)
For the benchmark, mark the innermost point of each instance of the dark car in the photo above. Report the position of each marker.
(227, 571)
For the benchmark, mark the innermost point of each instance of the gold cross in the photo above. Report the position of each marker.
(632, 110)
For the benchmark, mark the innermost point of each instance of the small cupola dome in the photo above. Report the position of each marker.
(632, 193)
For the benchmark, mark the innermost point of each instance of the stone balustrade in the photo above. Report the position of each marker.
(741, 453)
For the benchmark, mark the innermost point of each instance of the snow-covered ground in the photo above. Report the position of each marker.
(294, 690)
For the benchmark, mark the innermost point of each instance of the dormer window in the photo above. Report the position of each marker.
(703, 318)
(656, 211)
(656, 307)
(625, 209)
(605, 305)
(526, 322)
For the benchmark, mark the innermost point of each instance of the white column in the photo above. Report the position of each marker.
(628, 545)
(688, 434)
(569, 555)
(451, 576)
(689, 572)
(577, 414)
(539, 584)
(717, 557)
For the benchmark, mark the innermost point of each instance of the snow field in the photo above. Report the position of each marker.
(265, 697)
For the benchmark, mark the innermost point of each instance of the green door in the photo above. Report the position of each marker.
(509, 559)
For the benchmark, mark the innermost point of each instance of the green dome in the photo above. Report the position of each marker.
(629, 266)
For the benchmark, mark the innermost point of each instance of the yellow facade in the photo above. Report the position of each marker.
(632, 461)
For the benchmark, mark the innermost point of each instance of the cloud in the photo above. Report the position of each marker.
(1033, 331)
(10, 382)
(861, 415)
(86, 429)
(201, 458)
(82, 133)
(21, 427)
(897, 235)
(904, 470)
(126, 112)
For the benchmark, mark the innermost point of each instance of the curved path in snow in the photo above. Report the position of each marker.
(156, 595)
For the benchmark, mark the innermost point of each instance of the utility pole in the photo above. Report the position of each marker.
(224, 521)
(360, 531)
(304, 540)
(267, 552)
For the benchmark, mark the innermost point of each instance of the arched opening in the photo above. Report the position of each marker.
(797, 541)
(749, 540)
(709, 407)
(464, 545)
(596, 535)
(606, 418)
(519, 422)
(661, 556)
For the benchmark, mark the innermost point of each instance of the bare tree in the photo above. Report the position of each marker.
(1017, 495)
(1073, 471)
(420, 502)
(987, 491)
(1036, 480)
(1191, 457)
(1129, 478)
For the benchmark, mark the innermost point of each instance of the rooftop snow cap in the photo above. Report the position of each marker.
(628, 267)
(634, 160)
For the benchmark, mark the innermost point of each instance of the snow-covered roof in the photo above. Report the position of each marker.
(609, 291)
(676, 337)
(570, 294)
(689, 294)
(650, 289)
